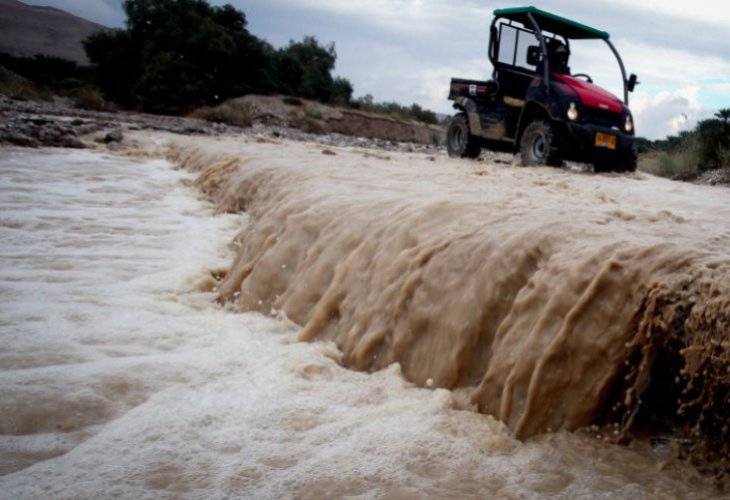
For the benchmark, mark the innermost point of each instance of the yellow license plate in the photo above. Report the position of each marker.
(605, 140)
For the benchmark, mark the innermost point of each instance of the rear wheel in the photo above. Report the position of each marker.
(540, 145)
(459, 141)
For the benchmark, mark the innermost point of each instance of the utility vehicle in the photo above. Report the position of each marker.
(535, 106)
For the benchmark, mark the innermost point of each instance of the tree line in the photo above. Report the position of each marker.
(412, 112)
(174, 56)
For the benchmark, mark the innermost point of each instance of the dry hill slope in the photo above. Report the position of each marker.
(27, 30)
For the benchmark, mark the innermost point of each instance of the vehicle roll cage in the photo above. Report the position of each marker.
(532, 17)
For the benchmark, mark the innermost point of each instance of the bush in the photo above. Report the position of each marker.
(15, 86)
(310, 125)
(236, 113)
(314, 113)
(49, 72)
(681, 161)
(678, 166)
(292, 101)
(690, 153)
(91, 99)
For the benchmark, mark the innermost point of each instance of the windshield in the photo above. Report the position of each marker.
(594, 58)
(590, 57)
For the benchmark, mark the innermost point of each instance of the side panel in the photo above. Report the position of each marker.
(474, 89)
(494, 122)
(540, 104)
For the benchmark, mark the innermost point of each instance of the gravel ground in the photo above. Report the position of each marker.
(57, 123)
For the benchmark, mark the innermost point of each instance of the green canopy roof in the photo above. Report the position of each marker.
(551, 22)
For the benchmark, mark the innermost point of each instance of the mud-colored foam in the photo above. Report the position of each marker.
(550, 296)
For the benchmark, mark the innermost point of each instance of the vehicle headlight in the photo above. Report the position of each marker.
(629, 124)
(572, 112)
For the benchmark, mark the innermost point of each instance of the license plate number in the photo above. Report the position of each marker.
(605, 140)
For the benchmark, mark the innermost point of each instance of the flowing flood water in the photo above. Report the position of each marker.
(514, 333)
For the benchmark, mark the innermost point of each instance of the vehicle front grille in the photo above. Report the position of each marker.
(601, 117)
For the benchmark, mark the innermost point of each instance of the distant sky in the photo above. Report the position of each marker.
(407, 50)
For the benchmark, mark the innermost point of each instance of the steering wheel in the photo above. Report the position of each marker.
(588, 78)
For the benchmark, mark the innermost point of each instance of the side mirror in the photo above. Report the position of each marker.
(632, 82)
(533, 55)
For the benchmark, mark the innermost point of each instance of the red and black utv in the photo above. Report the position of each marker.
(535, 106)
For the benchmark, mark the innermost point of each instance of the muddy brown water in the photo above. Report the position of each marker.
(389, 327)
(553, 300)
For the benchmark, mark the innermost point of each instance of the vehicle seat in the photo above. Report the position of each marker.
(558, 55)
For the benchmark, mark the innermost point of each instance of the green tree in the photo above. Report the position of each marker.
(423, 115)
(116, 62)
(304, 69)
(723, 115)
(644, 145)
(178, 54)
(713, 138)
(341, 91)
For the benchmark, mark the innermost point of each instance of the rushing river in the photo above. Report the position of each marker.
(162, 344)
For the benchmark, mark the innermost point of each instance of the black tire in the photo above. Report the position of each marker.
(605, 164)
(625, 162)
(459, 141)
(540, 145)
(629, 160)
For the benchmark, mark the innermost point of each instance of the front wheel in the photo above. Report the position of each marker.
(629, 160)
(540, 145)
(459, 142)
(623, 162)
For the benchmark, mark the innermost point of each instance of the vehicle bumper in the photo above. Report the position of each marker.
(582, 143)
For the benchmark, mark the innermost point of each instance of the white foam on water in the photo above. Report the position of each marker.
(119, 378)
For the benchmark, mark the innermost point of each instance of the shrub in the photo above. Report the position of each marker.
(681, 162)
(16, 86)
(236, 113)
(692, 152)
(48, 72)
(91, 99)
(310, 125)
(678, 166)
(315, 113)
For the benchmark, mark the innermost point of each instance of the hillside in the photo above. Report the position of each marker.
(27, 30)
